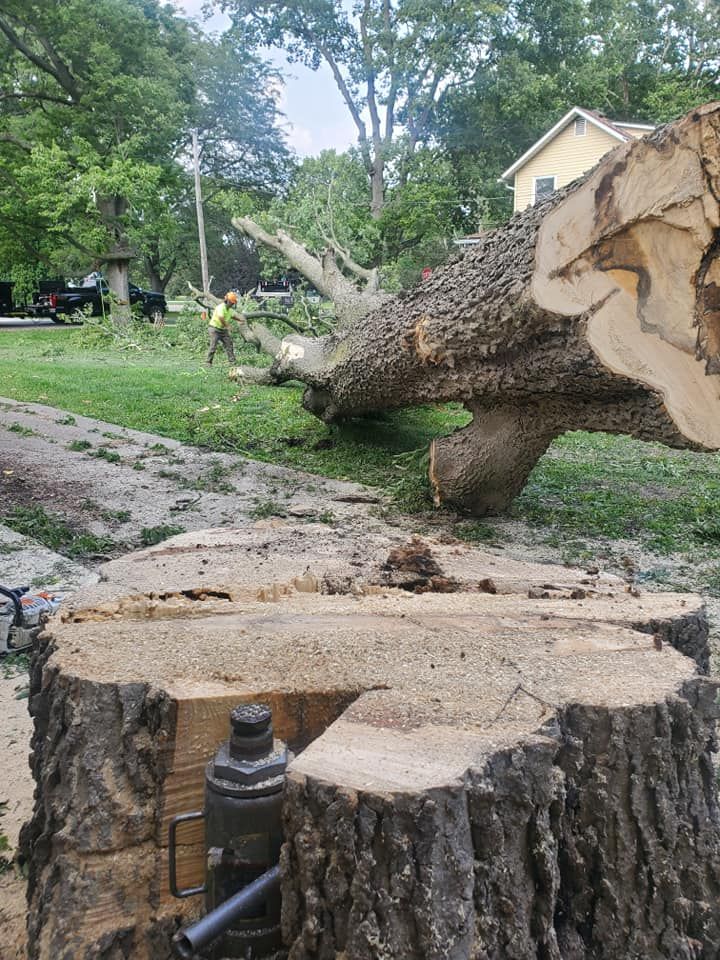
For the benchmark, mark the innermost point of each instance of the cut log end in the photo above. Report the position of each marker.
(489, 752)
(638, 248)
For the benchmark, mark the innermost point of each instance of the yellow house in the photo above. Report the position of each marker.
(569, 149)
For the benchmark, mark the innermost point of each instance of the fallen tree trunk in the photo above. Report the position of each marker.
(597, 309)
(495, 759)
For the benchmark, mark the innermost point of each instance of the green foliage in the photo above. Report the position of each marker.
(134, 336)
(479, 531)
(97, 100)
(53, 530)
(327, 205)
(327, 201)
(24, 275)
(23, 431)
(102, 453)
(264, 509)
(149, 536)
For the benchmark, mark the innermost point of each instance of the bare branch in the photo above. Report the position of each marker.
(324, 274)
(55, 69)
(370, 80)
(348, 98)
(42, 97)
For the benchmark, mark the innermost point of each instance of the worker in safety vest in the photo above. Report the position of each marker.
(219, 329)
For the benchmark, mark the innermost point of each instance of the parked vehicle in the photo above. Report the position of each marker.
(277, 292)
(6, 299)
(58, 300)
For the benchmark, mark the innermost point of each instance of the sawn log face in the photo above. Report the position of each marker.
(495, 759)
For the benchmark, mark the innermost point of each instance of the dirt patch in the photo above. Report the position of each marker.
(121, 485)
(13, 910)
(15, 804)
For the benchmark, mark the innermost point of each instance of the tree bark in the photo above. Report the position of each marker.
(351, 302)
(495, 759)
(117, 274)
(117, 259)
(596, 309)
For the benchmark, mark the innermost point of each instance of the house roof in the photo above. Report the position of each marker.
(613, 128)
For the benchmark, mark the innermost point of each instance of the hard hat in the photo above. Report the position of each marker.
(231, 296)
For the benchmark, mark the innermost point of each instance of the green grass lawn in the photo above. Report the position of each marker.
(172, 393)
(588, 487)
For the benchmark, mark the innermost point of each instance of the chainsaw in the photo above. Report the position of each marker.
(22, 617)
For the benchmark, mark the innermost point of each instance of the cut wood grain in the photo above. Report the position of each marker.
(477, 774)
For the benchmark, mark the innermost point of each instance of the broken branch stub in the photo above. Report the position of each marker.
(494, 758)
(597, 309)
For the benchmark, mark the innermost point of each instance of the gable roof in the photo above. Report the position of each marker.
(614, 129)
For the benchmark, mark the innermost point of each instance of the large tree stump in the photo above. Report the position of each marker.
(597, 309)
(496, 759)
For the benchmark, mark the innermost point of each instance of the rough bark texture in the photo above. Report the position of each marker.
(495, 759)
(353, 299)
(596, 309)
(582, 843)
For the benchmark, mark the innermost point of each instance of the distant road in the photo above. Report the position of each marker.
(29, 323)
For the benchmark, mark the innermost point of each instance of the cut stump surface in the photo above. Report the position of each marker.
(495, 759)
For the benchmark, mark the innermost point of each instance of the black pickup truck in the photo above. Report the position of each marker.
(58, 300)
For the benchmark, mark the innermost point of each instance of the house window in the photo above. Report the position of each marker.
(580, 126)
(543, 187)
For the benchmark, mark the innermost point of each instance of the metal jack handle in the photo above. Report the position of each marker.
(189, 941)
(172, 841)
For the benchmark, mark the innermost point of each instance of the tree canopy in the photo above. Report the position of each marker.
(97, 99)
(393, 62)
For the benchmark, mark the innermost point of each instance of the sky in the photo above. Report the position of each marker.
(316, 117)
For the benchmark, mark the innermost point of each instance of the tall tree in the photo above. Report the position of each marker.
(97, 100)
(393, 62)
(92, 92)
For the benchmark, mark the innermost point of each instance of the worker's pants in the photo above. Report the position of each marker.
(220, 336)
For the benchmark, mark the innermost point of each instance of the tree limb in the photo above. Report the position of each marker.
(16, 141)
(42, 97)
(350, 303)
(342, 86)
(62, 76)
(165, 279)
(370, 275)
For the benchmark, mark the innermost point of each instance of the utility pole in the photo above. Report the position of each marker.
(200, 217)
